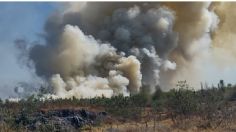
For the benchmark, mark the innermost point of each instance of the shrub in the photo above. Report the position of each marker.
(182, 100)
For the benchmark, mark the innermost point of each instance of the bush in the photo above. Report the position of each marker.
(159, 100)
(182, 100)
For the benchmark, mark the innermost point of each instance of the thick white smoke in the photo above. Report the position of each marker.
(105, 49)
(105, 54)
(139, 29)
(131, 68)
(75, 58)
(224, 46)
(195, 22)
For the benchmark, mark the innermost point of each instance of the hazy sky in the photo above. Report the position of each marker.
(18, 20)
(26, 20)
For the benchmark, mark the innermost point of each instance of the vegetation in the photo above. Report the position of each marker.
(213, 106)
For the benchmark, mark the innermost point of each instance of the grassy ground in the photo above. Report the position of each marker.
(182, 109)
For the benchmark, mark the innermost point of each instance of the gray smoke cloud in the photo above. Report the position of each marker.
(195, 22)
(80, 66)
(115, 48)
(224, 37)
(141, 29)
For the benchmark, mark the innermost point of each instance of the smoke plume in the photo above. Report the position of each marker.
(81, 66)
(223, 44)
(106, 49)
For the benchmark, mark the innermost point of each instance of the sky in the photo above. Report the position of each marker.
(18, 20)
(26, 20)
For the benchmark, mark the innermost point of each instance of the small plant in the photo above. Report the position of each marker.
(182, 100)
